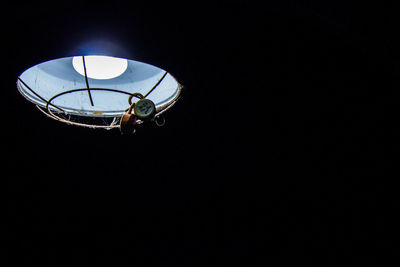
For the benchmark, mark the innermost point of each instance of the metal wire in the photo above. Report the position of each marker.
(87, 81)
(115, 124)
(47, 110)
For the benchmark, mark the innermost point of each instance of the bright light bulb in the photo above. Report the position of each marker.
(100, 67)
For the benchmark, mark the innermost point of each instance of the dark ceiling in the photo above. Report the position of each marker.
(278, 151)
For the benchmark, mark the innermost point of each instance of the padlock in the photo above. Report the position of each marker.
(145, 109)
(128, 122)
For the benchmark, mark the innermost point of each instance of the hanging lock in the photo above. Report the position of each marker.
(144, 109)
(128, 122)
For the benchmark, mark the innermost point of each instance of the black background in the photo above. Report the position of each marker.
(277, 153)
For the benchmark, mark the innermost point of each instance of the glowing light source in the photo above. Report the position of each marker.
(100, 67)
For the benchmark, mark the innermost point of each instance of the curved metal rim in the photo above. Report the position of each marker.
(48, 103)
(48, 111)
(114, 124)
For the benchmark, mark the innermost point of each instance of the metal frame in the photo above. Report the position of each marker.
(47, 110)
(115, 122)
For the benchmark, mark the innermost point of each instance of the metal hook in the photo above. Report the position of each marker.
(137, 95)
(159, 120)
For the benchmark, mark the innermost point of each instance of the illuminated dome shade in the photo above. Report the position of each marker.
(59, 85)
(100, 67)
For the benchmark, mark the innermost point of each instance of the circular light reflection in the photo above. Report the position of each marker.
(100, 67)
